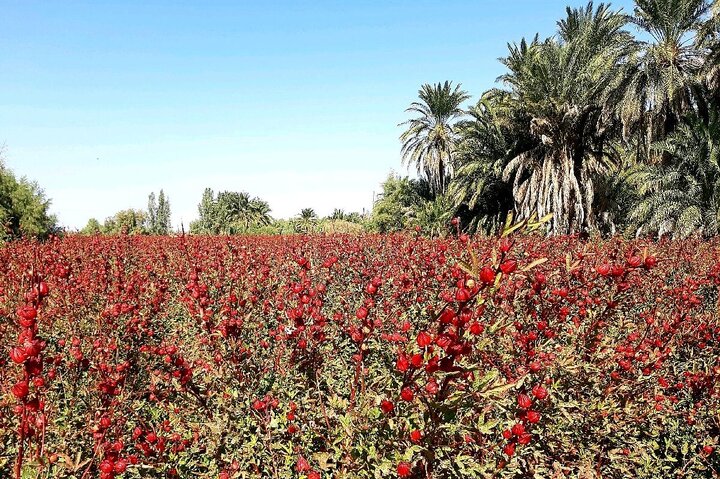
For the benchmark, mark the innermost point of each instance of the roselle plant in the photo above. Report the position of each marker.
(359, 356)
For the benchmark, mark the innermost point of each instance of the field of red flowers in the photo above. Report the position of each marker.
(359, 357)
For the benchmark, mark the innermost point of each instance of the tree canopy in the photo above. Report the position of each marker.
(24, 209)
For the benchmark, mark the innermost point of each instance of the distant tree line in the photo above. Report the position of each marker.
(153, 221)
(231, 212)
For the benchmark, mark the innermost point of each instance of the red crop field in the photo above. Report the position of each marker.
(362, 356)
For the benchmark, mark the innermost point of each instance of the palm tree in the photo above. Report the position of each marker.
(430, 138)
(659, 89)
(565, 87)
(682, 198)
(259, 212)
(306, 220)
(710, 42)
(477, 191)
(337, 214)
(233, 211)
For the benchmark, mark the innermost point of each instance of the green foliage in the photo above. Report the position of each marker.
(93, 227)
(230, 213)
(24, 209)
(430, 139)
(477, 191)
(605, 131)
(158, 214)
(398, 204)
(306, 221)
(564, 86)
(339, 214)
(128, 221)
(683, 197)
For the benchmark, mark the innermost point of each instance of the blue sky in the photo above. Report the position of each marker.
(102, 102)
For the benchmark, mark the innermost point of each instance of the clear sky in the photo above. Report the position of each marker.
(104, 101)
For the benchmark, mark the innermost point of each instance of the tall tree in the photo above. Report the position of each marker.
(306, 220)
(206, 223)
(565, 86)
(682, 197)
(399, 203)
(230, 212)
(430, 139)
(128, 221)
(488, 139)
(659, 89)
(163, 220)
(24, 209)
(152, 211)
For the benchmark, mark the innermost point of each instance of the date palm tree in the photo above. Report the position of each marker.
(683, 197)
(477, 191)
(259, 213)
(659, 90)
(430, 139)
(565, 87)
(306, 220)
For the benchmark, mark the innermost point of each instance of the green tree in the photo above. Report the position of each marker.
(206, 223)
(660, 87)
(259, 213)
(152, 214)
(565, 88)
(433, 216)
(683, 197)
(163, 221)
(398, 204)
(430, 138)
(478, 193)
(158, 214)
(93, 226)
(24, 209)
(306, 221)
(230, 212)
(128, 221)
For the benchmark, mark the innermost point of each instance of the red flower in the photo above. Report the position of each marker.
(302, 465)
(407, 394)
(424, 339)
(487, 275)
(402, 364)
(403, 469)
(18, 355)
(509, 449)
(524, 401)
(21, 389)
(27, 316)
(539, 392)
(524, 438)
(532, 417)
(603, 269)
(650, 262)
(462, 295)
(634, 261)
(508, 266)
